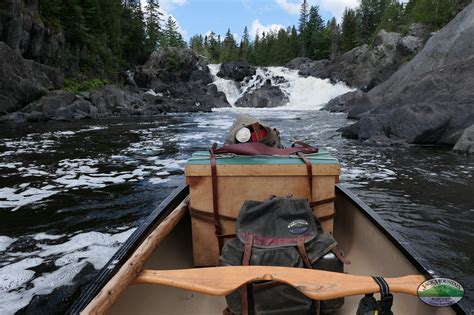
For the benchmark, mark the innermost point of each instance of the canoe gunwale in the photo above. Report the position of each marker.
(421, 264)
(129, 247)
(179, 194)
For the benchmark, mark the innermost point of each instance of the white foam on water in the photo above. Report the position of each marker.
(304, 93)
(17, 288)
(46, 236)
(5, 241)
(15, 198)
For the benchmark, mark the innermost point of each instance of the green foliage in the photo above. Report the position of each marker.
(103, 37)
(171, 37)
(75, 86)
(317, 39)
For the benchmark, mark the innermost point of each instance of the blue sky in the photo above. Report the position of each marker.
(202, 16)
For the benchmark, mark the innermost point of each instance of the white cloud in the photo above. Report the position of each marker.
(292, 8)
(335, 7)
(257, 27)
(170, 5)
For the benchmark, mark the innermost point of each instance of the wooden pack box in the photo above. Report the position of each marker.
(243, 178)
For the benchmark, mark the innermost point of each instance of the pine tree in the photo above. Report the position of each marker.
(171, 37)
(229, 47)
(244, 45)
(153, 22)
(303, 23)
(349, 30)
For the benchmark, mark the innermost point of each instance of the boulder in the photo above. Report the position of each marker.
(298, 63)
(57, 105)
(430, 99)
(344, 102)
(465, 144)
(236, 70)
(409, 45)
(23, 81)
(263, 97)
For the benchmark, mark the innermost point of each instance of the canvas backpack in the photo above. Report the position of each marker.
(275, 232)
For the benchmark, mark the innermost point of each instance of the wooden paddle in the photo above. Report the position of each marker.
(315, 284)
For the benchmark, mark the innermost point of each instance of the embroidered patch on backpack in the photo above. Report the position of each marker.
(298, 227)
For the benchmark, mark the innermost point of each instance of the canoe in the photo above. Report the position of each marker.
(132, 283)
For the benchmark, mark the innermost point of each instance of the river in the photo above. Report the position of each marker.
(71, 193)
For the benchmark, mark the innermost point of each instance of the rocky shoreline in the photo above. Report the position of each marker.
(409, 89)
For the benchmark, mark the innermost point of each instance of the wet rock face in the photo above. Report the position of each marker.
(263, 97)
(429, 100)
(23, 30)
(236, 71)
(465, 144)
(23, 81)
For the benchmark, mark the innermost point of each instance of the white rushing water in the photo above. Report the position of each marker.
(308, 93)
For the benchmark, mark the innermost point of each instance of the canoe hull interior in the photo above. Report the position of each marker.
(370, 250)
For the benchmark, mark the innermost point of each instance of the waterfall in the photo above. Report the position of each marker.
(304, 93)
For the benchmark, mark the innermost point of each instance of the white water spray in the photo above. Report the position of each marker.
(303, 93)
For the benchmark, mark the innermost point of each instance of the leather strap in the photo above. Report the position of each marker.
(256, 148)
(303, 254)
(215, 205)
(327, 217)
(340, 255)
(207, 216)
(321, 202)
(309, 167)
(246, 262)
(257, 130)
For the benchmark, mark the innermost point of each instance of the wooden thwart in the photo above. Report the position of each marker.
(315, 284)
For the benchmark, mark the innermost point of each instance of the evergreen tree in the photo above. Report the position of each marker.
(349, 30)
(229, 47)
(303, 23)
(369, 15)
(335, 34)
(171, 37)
(153, 21)
(244, 48)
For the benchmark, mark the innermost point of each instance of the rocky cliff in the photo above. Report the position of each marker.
(364, 67)
(173, 80)
(22, 28)
(430, 100)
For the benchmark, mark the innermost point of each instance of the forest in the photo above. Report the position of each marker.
(318, 39)
(106, 37)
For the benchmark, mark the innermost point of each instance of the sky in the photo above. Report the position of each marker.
(203, 16)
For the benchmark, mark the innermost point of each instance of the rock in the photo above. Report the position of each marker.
(298, 63)
(363, 67)
(387, 38)
(343, 102)
(419, 30)
(170, 65)
(430, 99)
(465, 144)
(263, 97)
(23, 81)
(59, 105)
(409, 45)
(24, 31)
(236, 70)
